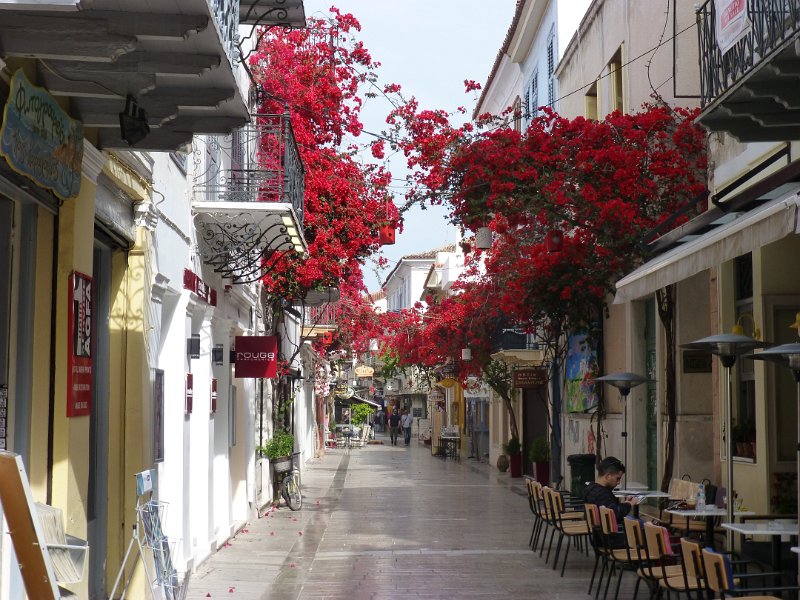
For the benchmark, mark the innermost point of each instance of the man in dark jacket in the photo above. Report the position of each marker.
(601, 492)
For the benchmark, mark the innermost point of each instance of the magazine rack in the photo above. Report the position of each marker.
(155, 549)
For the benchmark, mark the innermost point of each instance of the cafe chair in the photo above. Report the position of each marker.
(619, 558)
(597, 543)
(536, 510)
(720, 579)
(571, 526)
(671, 576)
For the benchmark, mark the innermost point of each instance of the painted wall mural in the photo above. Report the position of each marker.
(581, 367)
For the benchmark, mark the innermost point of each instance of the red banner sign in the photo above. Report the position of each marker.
(193, 283)
(189, 393)
(79, 354)
(256, 356)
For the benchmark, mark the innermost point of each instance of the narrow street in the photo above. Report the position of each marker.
(393, 522)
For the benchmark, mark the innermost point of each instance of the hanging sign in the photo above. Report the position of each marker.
(193, 283)
(530, 377)
(79, 353)
(213, 395)
(189, 400)
(39, 140)
(731, 22)
(256, 356)
(364, 371)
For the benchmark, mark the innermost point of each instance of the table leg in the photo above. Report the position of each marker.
(710, 533)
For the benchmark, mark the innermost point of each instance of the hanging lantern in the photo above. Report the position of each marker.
(466, 354)
(554, 240)
(327, 338)
(483, 238)
(386, 235)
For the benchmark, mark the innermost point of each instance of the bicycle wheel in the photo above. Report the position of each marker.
(290, 490)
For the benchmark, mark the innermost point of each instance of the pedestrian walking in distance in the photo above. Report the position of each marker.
(406, 421)
(394, 423)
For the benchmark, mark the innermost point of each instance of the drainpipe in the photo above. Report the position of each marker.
(51, 401)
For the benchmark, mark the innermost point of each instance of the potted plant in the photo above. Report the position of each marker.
(278, 449)
(540, 457)
(502, 463)
(514, 451)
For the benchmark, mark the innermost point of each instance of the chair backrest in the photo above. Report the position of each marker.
(633, 535)
(656, 541)
(532, 502)
(717, 571)
(692, 560)
(549, 507)
(592, 515)
(608, 520)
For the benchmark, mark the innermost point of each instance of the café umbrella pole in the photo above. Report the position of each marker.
(727, 346)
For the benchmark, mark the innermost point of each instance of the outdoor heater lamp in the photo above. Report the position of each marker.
(623, 381)
(728, 346)
(787, 355)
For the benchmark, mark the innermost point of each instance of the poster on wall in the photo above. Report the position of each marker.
(79, 354)
(580, 367)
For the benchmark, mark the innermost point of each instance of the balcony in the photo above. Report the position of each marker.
(513, 346)
(750, 91)
(319, 320)
(248, 198)
(176, 59)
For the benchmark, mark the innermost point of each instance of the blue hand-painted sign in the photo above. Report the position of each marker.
(39, 140)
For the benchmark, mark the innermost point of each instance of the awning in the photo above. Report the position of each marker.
(768, 223)
(355, 398)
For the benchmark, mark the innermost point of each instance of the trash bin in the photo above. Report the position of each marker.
(582, 471)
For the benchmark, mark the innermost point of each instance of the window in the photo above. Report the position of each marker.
(744, 405)
(532, 98)
(551, 69)
(615, 78)
(517, 112)
(590, 102)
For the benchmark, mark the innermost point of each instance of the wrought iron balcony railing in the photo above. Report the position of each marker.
(773, 24)
(511, 338)
(322, 316)
(257, 163)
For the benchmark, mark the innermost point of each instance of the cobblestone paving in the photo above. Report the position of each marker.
(392, 522)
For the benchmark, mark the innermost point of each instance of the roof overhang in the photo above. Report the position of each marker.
(174, 58)
(763, 225)
(241, 239)
(519, 357)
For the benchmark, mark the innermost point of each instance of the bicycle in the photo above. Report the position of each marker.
(290, 486)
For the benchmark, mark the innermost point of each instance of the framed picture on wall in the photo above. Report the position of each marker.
(580, 368)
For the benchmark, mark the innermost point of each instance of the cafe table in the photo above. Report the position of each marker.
(644, 493)
(772, 529)
(710, 513)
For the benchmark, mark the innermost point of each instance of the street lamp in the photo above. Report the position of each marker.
(728, 346)
(623, 381)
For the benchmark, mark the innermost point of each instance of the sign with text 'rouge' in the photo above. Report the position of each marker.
(256, 356)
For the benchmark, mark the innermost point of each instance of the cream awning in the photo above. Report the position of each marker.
(768, 223)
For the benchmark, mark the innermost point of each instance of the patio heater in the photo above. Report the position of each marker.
(728, 346)
(623, 381)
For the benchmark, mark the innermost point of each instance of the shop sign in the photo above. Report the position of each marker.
(193, 283)
(731, 23)
(213, 395)
(530, 377)
(79, 354)
(3, 416)
(39, 140)
(256, 356)
(364, 371)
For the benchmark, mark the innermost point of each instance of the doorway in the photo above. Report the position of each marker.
(97, 512)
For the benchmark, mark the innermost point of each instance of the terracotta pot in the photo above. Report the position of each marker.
(502, 463)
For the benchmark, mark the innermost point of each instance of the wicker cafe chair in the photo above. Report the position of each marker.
(570, 525)
(619, 558)
(719, 576)
(671, 577)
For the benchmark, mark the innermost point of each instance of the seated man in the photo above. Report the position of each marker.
(600, 492)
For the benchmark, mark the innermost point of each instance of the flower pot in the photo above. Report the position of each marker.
(541, 471)
(502, 463)
(515, 463)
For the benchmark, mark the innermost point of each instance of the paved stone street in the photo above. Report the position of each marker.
(391, 522)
